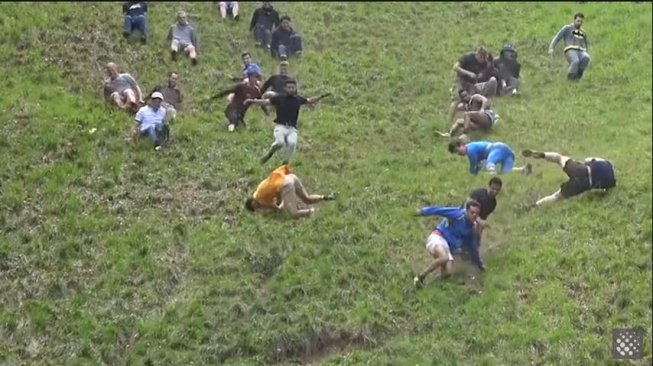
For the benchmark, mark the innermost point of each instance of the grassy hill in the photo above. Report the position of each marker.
(114, 254)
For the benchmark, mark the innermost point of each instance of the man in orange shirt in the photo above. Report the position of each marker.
(283, 191)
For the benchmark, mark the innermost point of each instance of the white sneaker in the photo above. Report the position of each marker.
(157, 148)
(232, 128)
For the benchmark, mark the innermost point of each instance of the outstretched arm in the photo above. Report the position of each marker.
(260, 102)
(225, 92)
(314, 100)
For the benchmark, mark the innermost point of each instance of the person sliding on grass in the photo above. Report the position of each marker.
(594, 173)
(458, 227)
(477, 115)
(493, 153)
(281, 192)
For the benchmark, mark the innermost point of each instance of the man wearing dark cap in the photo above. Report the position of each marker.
(509, 69)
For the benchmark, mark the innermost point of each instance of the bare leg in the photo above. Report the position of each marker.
(552, 157)
(549, 199)
(234, 9)
(223, 9)
(190, 50)
(301, 193)
(291, 201)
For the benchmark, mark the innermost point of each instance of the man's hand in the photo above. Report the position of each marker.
(277, 206)
(141, 102)
(418, 213)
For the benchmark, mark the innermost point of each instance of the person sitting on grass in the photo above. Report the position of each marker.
(172, 97)
(135, 19)
(229, 8)
(509, 70)
(151, 121)
(264, 20)
(282, 192)
(286, 41)
(124, 92)
(445, 239)
(183, 38)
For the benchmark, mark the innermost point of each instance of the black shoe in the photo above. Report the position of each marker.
(571, 77)
(193, 61)
(237, 17)
(329, 197)
(125, 34)
(265, 158)
(528, 169)
(173, 55)
(143, 40)
(579, 75)
(528, 153)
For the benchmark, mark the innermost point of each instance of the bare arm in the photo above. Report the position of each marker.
(314, 100)
(139, 93)
(460, 71)
(260, 102)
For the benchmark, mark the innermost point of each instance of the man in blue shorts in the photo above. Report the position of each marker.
(457, 228)
(593, 174)
(493, 153)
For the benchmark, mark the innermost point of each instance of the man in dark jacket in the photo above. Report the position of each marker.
(285, 41)
(264, 20)
(509, 69)
(135, 19)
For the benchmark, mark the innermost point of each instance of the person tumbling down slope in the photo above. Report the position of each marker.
(457, 228)
(493, 153)
(281, 192)
(593, 174)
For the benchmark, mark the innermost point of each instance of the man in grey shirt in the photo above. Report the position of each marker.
(576, 47)
(122, 89)
(183, 37)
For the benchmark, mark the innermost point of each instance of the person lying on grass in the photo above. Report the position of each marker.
(457, 228)
(593, 174)
(282, 192)
(493, 153)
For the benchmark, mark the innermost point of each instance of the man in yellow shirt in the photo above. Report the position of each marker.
(283, 191)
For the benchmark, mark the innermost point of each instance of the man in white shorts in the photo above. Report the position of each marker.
(457, 228)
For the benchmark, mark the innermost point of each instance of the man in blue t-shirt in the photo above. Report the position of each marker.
(492, 153)
(593, 173)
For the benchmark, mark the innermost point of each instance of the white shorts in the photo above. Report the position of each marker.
(434, 240)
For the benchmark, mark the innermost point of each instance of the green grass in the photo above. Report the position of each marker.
(114, 254)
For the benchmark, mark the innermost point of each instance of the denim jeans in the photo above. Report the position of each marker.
(157, 134)
(138, 23)
(285, 51)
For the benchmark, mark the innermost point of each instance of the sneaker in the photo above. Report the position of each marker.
(157, 147)
(528, 153)
(143, 40)
(418, 282)
(283, 58)
(237, 17)
(173, 55)
(265, 158)
(193, 61)
(329, 197)
(232, 128)
(528, 169)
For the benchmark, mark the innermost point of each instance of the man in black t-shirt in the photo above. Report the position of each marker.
(277, 82)
(469, 70)
(287, 106)
(487, 197)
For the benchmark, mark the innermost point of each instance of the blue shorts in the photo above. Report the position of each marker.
(500, 153)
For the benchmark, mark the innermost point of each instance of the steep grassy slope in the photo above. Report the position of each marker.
(112, 253)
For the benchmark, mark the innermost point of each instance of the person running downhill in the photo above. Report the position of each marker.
(237, 107)
(456, 229)
(593, 174)
(493, 153)
(285, 131)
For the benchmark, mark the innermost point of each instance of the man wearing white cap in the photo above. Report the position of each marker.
(151, 121)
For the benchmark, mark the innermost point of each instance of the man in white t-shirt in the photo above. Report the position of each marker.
(151, 121)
